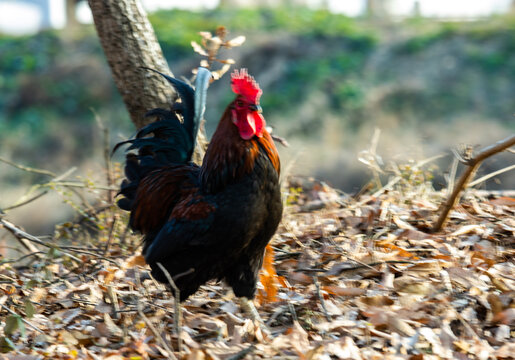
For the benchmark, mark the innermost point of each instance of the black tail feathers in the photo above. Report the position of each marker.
(168, 140)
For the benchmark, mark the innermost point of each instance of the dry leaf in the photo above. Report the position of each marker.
(467, 229)
(414, 287)
(503, 201)
(237, 41)
(198, 49)
(506, 317)
(299, 278)
(298, 338)
(135, 260)
(196, 354)
(341, 291)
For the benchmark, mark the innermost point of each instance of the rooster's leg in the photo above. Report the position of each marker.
(248, 306)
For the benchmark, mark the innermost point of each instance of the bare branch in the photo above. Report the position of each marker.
(22, 235)
(321, 298)
(177, 305)
(28, 169)
(35, 197)
(158, 336)
(491, 175)
(24, 320)
(472, 166)
(107, 156)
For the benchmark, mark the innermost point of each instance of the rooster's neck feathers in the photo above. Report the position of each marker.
(229, 157)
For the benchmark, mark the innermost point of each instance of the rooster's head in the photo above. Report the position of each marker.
(246, 112)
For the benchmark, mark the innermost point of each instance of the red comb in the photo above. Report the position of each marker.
(245, 85)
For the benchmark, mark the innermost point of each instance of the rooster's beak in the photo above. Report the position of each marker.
(255, 107)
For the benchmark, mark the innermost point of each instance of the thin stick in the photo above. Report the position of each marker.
(280, 140)
(488, 176)
(20, 234)
(79, 248)
(373, 150)
(177, 306)
(22, 258)
(25, 202)
(28, 169)
(321, 298)
(468, 327)
(107, 157)
(114, 301)
(292, 310)
(56, 178)
(111, 232)
(472, 166)
(64, 174)
(158, 337)
(24, 320)
(370, 265)
(452, 175)
(77, 184)
(243, 353)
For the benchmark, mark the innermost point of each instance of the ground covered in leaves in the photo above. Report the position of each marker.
(348, 278)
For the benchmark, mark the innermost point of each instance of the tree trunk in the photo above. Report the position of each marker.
(129, 43)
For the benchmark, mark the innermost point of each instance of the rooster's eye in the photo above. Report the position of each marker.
(239, 103)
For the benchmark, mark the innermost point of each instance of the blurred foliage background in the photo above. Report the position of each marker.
(328, 81)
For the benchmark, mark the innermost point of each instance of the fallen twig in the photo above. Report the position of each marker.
(107, 156)
(24, 320)
(177, 305)
(371, 265)
(111, 233)
(491, 175)
(158, 337)
(22, 257)
(56, 178)
(243, 353)
(114, 301)
(79, 184)
(280, 140)
(452, 175)
(24, 202)
(472, 165)
(28, 169)
(21, 235)
(321, 298)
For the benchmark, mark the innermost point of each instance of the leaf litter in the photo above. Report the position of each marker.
(344, 278)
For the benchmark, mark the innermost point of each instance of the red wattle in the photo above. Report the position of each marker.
(246, 126)
(249, 124)
(259, 122)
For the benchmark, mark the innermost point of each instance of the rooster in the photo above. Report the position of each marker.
(211, 221)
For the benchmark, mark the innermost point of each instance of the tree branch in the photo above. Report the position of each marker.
(472, 166)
